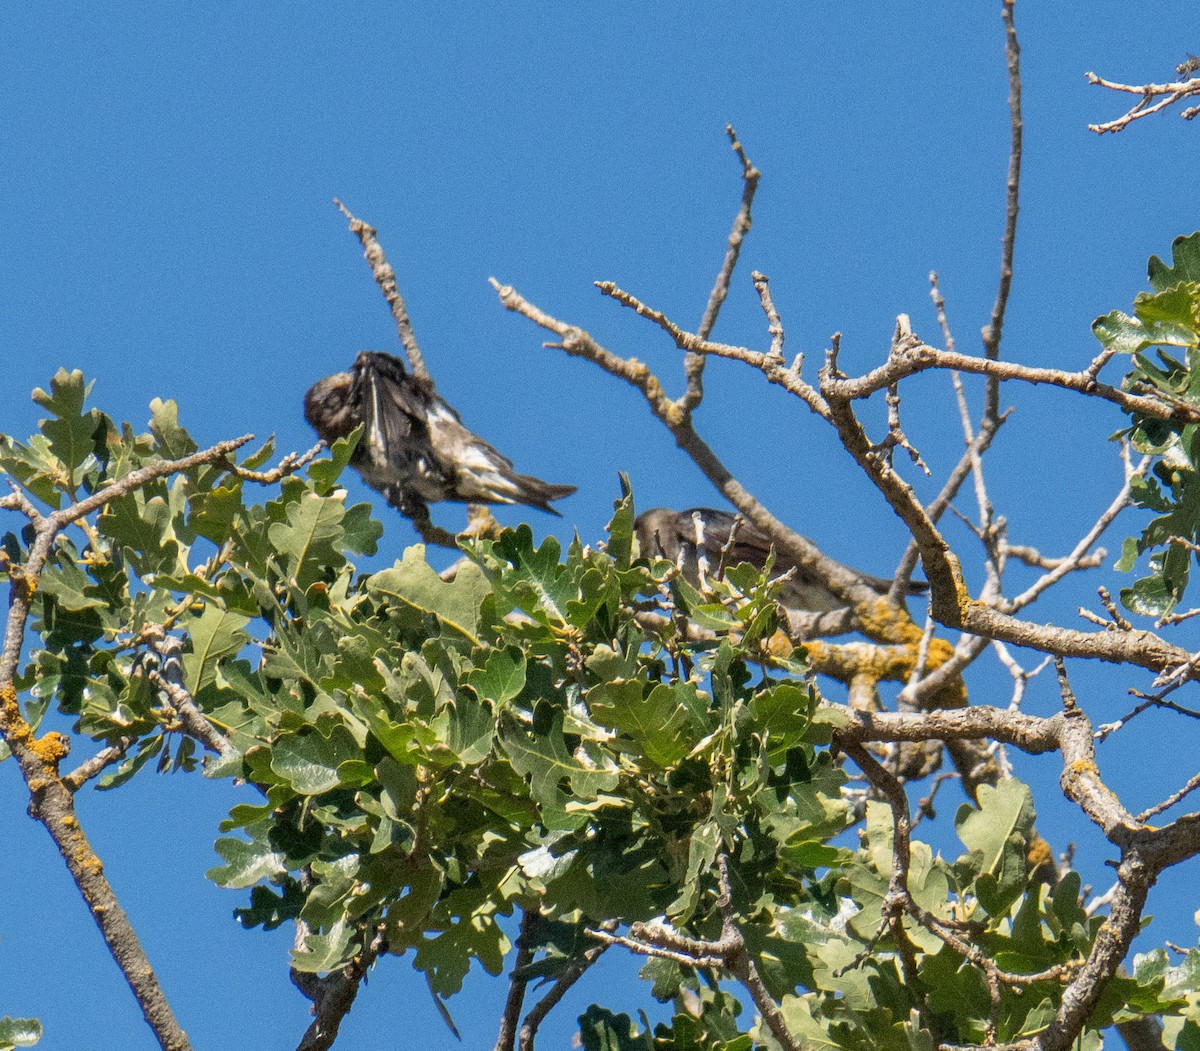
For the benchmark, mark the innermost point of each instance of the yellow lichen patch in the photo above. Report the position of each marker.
(780, 645)
(16, 730)
(853, 660)
(50, 748)
(863, 661)
(24, 588)
(1084, 766)
(886, 622)
(962, 596)
(89, 863)
(938, 653)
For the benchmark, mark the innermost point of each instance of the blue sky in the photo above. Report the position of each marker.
(168, 228)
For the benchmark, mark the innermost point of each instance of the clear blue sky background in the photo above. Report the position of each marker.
(165, 198)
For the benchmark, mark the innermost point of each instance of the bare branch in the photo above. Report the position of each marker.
(1078, 558)
(289, 465)
(385, 278)
(1105, 730)
(577, 342)
(51, 794)
(1030, 556)
(1191, 786)
(770, 364)
(774, 325)
(741, 963)
(909, 359)
(18, 501)
(949, 601)
(925, 803)
(98, 763)
(651, 942)
(511, 1016)
(1167, 95)
(993, 332)
(183, 709)
(693, 365)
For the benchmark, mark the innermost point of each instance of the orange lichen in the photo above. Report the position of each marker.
(16, 731)
(89, 863)
(886, 622)
(51, 748)
(1039, 853)
(24, 588)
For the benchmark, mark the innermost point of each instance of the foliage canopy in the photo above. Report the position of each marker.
(581, 736)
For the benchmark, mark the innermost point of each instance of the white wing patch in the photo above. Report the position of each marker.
(375, 435)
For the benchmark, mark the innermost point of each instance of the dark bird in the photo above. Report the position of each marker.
(414, 448)
(668, 534)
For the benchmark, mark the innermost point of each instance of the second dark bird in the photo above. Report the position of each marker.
(414, 448)
(668, 534)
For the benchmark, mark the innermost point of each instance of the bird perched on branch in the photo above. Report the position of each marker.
(728, 540)
(414, 448)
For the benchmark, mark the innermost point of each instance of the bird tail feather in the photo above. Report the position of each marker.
(508, 487)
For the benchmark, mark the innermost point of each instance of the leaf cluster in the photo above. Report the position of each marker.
(1162, 338)
(577, 734)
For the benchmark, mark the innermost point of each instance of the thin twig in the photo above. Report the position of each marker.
(98, 763)
(993, 332)
(385, 278)
(1106, 730)
(1078, 558)
(1167, 95)
(1192, 784)
(839, 579)
(168, 677)
(693, 365)
(289, 465)
(510, 1018)
(574, 971)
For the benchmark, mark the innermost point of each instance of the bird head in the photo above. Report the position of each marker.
(327, 407)
(658, 533)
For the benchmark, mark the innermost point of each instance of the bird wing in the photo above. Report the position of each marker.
(482, 474)
(391, 407)
(751, 545)
(398, 455)
(673, 534)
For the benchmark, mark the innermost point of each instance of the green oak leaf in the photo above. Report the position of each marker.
(664, 723)
(602, 1030)
(310, 762)
(215, 634)
(556, 773)
(1185, 257)
(246, 863)
(327, 951)
(414, 582)
(172, 442)
(997, 835)
(308, 540)
(19, 1032)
